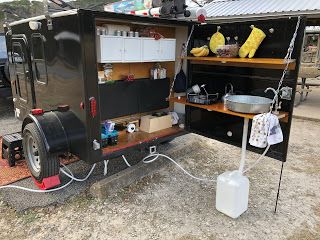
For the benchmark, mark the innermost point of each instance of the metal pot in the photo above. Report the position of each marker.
(248, 104)
(226, 93)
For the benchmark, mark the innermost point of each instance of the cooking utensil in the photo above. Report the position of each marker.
(248, 104)
(226, 93)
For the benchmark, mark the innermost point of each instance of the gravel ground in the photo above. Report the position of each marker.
(170, 205)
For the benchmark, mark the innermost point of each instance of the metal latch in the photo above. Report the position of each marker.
(96, 145)
(46, 13)
(286, 93)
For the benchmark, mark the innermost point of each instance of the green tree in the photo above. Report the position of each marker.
(26, 8)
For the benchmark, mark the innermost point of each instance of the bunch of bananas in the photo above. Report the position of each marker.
(200, 51)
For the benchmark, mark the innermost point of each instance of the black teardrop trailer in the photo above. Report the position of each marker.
(54, 64)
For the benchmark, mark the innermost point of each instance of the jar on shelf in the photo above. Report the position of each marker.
(108, 70)
(157, 72)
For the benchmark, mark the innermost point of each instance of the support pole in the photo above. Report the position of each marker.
(275, 208)
(244, 144)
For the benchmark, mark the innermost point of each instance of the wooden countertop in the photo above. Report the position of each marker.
(219, 107)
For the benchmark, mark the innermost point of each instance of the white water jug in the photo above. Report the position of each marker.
(232, 193)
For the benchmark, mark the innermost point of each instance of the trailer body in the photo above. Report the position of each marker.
(54, 70)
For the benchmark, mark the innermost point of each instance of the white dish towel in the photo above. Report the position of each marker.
(265, 130)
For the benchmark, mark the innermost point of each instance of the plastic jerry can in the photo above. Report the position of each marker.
(232, 193)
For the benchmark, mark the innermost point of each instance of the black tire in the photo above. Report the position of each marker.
(41, 163)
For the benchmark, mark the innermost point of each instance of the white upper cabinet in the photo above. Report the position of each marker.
(109, 49)
(132, 50)
(150, 50)
(112, 49)
(167, 49)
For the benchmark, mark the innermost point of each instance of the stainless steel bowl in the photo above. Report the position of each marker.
(248, 104)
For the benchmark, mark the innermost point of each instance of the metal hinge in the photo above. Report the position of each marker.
(49, 22)
(46, 13)
(286, 93)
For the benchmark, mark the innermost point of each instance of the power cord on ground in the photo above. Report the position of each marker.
(157, 155)
(126, 161)
(66, 172)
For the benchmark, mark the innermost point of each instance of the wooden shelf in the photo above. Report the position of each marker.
(219, 107)
(267, 63)
(126, 140)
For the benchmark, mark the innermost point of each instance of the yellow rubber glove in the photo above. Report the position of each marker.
(253, 42)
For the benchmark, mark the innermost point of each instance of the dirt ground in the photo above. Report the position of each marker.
(170, 205)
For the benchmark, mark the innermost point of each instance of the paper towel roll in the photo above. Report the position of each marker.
(197, 11)
(131, 128)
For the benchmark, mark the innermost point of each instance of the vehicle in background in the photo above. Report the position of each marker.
(5, 85)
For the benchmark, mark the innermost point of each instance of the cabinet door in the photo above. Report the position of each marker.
(132, 50)
(154, 94)
(110, 49)
(167, 50)
(151, 50)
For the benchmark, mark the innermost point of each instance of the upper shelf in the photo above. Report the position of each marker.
(268, 63)
(219, 107)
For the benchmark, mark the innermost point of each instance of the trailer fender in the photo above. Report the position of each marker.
(61, 131)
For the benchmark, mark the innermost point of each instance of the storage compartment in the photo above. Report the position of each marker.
(131, 94)
(123, 98)
(248, 77)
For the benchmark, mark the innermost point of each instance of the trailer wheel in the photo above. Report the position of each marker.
(41, 163)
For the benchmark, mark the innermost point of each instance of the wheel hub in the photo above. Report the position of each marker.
(33, 154)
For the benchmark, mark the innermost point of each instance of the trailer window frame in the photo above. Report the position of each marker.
(19, 81)
(38, 59)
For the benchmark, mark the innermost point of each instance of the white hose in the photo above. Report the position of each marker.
(151, 160)
(126, 161)
(258, 160)
(105, 170)
(157, 155)
(73, 177)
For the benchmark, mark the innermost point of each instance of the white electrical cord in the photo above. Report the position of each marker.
(73, 177)
(157, 155)
(37, 190)
(68, 173)
(105, 170)
(149, 156)
(126, 161)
